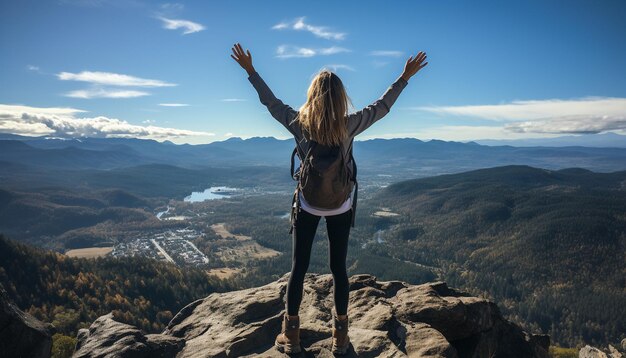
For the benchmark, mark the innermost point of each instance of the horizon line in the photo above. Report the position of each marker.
(245, 138)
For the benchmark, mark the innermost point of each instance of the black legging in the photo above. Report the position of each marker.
(338, 227)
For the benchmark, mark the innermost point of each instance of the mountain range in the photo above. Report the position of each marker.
(401, 158)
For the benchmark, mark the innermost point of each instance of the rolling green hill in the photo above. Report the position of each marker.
(59, 218)
(549, 245)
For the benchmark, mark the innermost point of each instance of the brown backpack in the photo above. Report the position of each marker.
(324, 178)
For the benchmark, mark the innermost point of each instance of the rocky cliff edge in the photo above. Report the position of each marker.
(387, 319)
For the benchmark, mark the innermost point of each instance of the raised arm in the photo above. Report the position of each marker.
(281, 112)
(363, 119)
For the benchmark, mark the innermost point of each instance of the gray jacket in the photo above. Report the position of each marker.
(357, 121)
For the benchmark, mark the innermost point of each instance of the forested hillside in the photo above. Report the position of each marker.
(549, 245)
(70, 293)
(61, 218)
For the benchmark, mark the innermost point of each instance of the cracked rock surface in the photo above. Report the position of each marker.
(387, 319)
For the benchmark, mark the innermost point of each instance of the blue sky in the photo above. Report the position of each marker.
(497, 69)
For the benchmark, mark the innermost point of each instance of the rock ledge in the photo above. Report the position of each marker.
(387, 319)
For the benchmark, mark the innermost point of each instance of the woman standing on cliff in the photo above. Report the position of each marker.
(323, 122)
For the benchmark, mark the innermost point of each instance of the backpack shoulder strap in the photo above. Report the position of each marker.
(353, 161)
(293, 156)
(295, 202)
(298, 150)
(356, 184)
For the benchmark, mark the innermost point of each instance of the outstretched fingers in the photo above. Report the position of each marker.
(414, 64)
(236, 54)
(421, 56)
(244, 58)
(237, 50)
(419, 63)
(241, 52)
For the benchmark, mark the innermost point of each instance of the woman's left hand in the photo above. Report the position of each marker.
(413, 65)
(245, 61)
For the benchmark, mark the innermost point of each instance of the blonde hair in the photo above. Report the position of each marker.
(324, 114)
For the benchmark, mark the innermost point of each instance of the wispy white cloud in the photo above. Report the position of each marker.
(336, 67)
(62, 122)
(570, 125)
(105, 93)
(386, 53)
(331, 50)
(188, 27)
(111, 79)
(6, 109)
(172, 6)
(33, 68)
(99, 79)
(379, 64)
(173, 104)
(319, 31)
(535, 109)
(584, 115)
(281, 26)
(232, 100)
(287, 51)
(103, 3)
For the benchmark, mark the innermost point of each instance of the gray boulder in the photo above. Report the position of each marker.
(387, 319)
(109, 338)
(22, 335)
(614, 353)
(593, 352)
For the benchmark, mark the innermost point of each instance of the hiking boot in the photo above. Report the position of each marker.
(288, 340)
(341, 341)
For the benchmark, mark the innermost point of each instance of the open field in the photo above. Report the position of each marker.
(224, 272)
(245, 250)
(221, 230)
(90, 252)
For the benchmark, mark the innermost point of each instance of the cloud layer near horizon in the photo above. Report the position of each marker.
(62, 122)
(575, 116)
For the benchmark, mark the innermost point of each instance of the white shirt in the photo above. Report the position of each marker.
(347, 205)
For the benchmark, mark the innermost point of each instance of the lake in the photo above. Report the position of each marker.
(212, 193)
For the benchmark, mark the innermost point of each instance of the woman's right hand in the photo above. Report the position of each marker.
(413, 65)
(245, 61)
